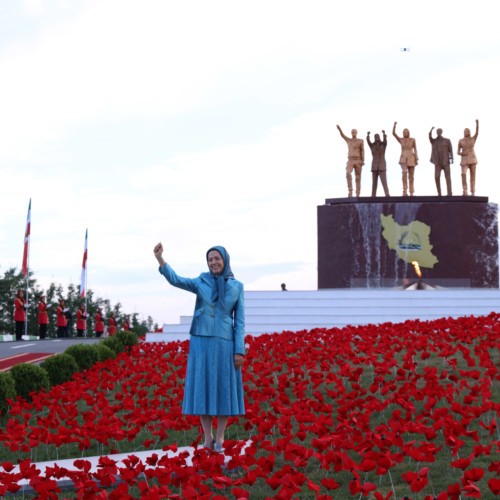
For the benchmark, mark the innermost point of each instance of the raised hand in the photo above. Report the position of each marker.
(158, 251)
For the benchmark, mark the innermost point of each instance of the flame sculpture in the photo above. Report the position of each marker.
(417, 268)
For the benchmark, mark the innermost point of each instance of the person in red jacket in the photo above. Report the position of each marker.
(99, 324)
(112, 324)
(20, 314)
(43, 317)
(62, 323)
(81, 321)
(126, 325)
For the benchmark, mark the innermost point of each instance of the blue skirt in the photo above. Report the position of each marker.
(213, 386)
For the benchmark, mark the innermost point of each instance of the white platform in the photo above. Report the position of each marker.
(277, 311)
(68, 464)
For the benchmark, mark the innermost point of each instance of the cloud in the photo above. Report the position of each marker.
(113, 60)
(33, 7)
(273, 79)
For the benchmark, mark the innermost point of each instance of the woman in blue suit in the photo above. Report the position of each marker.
(213, 386)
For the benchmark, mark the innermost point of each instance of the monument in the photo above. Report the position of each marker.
(367, 242)
(364, 243)
(379, 166)
(355, 159)
(442, 156)
(408, 159)
(469, 160)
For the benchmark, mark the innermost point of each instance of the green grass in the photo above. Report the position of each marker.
(441, 474)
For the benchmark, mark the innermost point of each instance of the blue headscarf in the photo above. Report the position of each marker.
(219, 284)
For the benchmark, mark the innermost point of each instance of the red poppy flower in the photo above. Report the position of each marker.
(417, 480)
(330, 484)
(494, 485)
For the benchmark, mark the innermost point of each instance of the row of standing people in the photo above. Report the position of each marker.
(441, 157)
(63, 314)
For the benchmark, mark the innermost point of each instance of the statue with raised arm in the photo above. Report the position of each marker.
(379, 167)
(355, 159)
(408, 159)
(441, 156)
(469, 160)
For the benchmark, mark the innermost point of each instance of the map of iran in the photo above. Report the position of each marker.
(411, 242)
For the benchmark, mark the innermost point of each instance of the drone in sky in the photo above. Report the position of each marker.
(405, 49)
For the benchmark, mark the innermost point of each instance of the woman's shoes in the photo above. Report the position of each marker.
(214, 446)
(209, 446)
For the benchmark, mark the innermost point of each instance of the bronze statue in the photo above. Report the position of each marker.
(379, 168)
(469, 160)
(355, 159)
(408, 159)
(442, 156)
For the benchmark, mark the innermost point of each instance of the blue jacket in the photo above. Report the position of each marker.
(211, 320)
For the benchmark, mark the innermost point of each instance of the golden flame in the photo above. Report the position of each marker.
(417, 268)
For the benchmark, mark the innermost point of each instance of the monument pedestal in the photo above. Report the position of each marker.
(371, 242)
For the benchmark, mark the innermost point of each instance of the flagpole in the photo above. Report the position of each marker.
(27, 235)
(86, 275)
(27, 293)
(83, 279)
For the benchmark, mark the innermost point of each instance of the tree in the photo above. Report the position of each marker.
(11, 282)
(14, 280)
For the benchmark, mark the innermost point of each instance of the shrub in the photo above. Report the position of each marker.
(29, 378)
(114, 343)
(7, 390)
(60, 368)
(104, 352)
(128, 339)
(85, 356)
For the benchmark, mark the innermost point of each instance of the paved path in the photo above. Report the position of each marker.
(67, 483)
(54, 346)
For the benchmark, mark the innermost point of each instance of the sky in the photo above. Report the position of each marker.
(200, 123)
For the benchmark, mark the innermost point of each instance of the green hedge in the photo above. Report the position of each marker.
(128, 339)
(85, 356)
(25, 378)
(29, 378)
(60, 368)
(114, 343)
(7, 391)
(104, 352)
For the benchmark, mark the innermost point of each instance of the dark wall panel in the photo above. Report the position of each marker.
(454, 239)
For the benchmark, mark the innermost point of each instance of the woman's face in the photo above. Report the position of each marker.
(215, 262)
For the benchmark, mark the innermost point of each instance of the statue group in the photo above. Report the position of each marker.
(441, 157)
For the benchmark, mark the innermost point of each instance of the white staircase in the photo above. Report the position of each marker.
(277, 311)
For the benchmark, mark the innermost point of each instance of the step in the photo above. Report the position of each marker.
(319, 302)
(277, 311)
(370, 293)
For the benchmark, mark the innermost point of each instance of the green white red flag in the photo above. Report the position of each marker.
(83, 282)
(26, 253)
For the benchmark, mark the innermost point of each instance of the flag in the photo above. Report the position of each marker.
(27, 242)
(83, 283)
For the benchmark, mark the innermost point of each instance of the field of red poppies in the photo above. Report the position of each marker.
(389, 411)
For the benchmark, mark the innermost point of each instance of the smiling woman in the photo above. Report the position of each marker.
(215, 262)
(213, 386)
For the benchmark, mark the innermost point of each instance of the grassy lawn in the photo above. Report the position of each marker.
(388, 411)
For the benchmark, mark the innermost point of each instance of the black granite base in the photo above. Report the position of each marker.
(371, 242)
